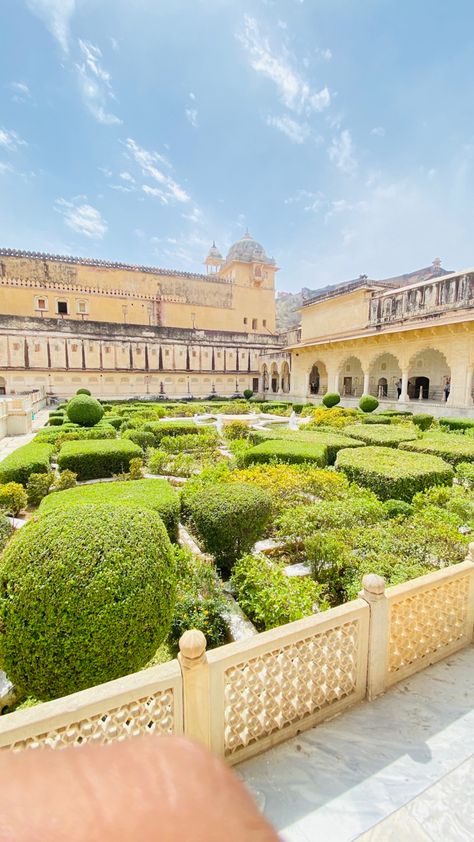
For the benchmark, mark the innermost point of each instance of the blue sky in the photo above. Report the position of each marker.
(340, 132)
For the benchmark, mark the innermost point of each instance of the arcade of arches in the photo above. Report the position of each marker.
(435, 368)
(275, 378)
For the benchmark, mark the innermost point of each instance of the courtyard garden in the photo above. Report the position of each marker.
(123, 524)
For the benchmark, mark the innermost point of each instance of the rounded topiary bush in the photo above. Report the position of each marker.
(331, 399)
(228, 518)
(368, 403)
(83, 392)
(84, 410)
(86, 595)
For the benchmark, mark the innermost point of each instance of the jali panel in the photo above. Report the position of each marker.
(288, 684)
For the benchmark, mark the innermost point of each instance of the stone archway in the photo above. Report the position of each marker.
(385, 376)
(429, 376)
(351, 377)
(318, 379)
(285, 377)
(274, 378)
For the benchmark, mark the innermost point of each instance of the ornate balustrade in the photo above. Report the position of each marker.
(425, 300)
(242, 698)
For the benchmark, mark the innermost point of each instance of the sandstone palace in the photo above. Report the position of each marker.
(124, 330)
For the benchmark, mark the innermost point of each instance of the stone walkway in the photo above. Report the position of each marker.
(11, 443)
(399, 768)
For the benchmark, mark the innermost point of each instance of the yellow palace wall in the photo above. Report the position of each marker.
(233, 300)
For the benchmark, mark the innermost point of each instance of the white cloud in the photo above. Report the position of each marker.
(293, 89)
(378, 131)
(195, 215)
(192, 116)
(4, 168)
(56, 15)
(325, 55)
(10, 140)
(169, 189)
(114, 44)
(126, 176)
(341, 152)
(311, 201)
(296, 132)
(82, 217)
(20, 91)
(94, 84)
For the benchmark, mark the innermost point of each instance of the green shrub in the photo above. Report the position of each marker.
(292, 484)
(361, 508)
(6, 530)
(376, 419)
(465, 472)
(368, 403)
(269, 598)
(84, 410)
(38, 487)
(452, 448)
(423, 421)
(154, 494)
(83, 392)
(330, 399)
(33, 458)
(72, 432)
(248, 394)
(228, 518)
(95, 459)
(393, 474)
(397, 412)
(56, 420)
(171, 428)
(13, 499)
(286, 451)
(397, 508)
(331, 439)
(87, 596)
(380, 434)
(114, 420)
(143, 438)
(200, 601)
(65, 480)
(236, 430)
(458, 424)
(157, 461)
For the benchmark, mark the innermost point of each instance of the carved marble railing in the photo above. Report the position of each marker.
(427, 299)
(243, 698)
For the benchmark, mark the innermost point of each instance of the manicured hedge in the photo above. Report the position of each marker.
(423, 421)
(33, 458)
(84, 410)
(286, 451)
(94, 459)
(115, 420)
(333, 441)
(452, 448)
(457, 423)
(74, 432)
(380, 435)
(172, 428)
(155, 494)
(393, 474)
(87, 596)
(143, 438)
(331, 399)
(228, 518)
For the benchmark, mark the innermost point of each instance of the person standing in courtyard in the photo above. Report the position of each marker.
(447, 388)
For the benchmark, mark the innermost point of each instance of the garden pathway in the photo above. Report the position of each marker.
(11, 443)
(399, 768)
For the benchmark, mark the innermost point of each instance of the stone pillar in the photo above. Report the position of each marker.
(195, 671)
(469, 380)
(374, 594)
(366, 386)
(404, 393)
(336, 382)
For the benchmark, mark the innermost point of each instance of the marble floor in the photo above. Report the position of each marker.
(399, 768)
